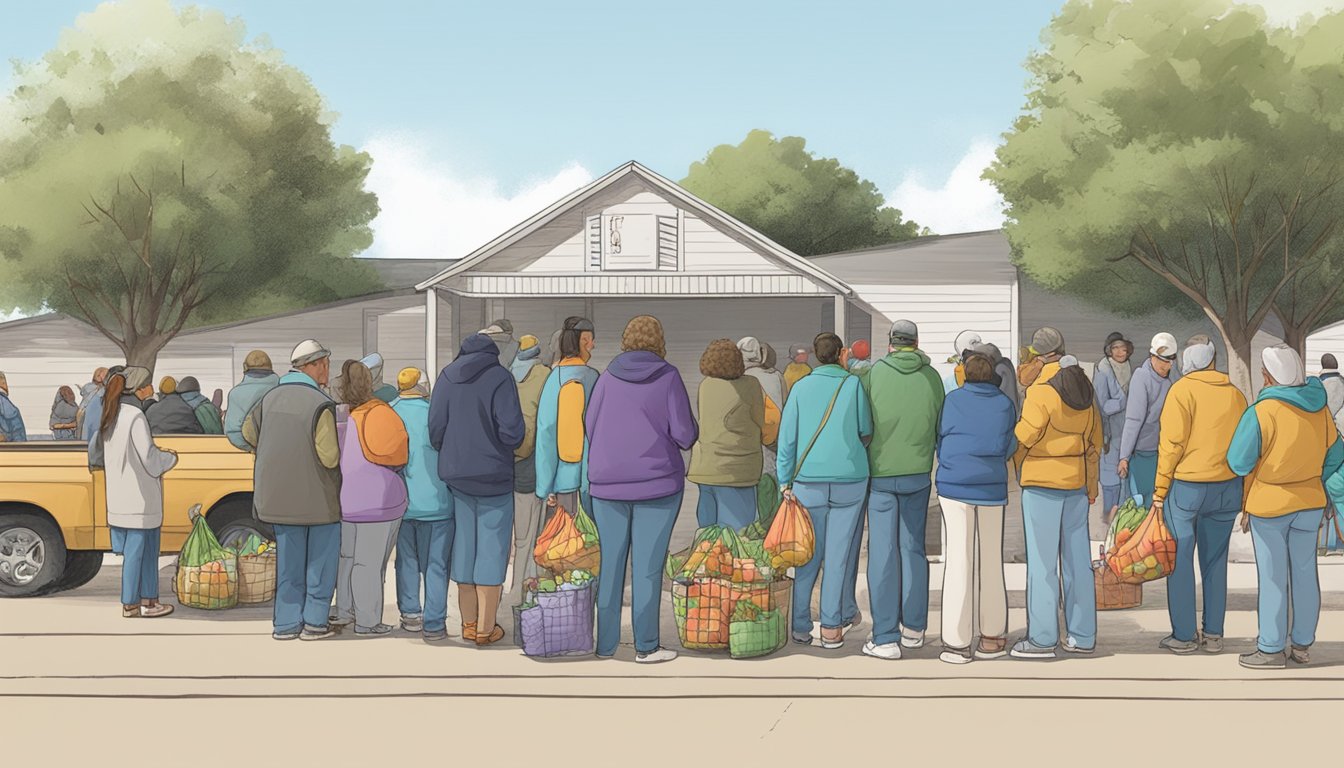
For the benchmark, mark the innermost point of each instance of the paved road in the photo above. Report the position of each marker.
(200, 688)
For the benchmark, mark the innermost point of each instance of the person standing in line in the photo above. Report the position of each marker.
(1334, 388)
(1111, 382)
(758, 359)
(1198, 494)
(91, 405)
(860, 353)
(501, 332)
(374, 448)
(1285, 445)
(258, 379)
(823, 465)
(726, 460)
(561, 441)
(381, 390)
(296, 484)
(965, 342)
(530, 374)
(207, 415)
(906, 397)
(1143, 417)
(134, 486)
(171, 415)
(975, 443)
(479, 397)
(425, 538)
(639, 421)
(11, 420)
(1005, 375)
(797, 367)
(1058, 459)
(64, 415)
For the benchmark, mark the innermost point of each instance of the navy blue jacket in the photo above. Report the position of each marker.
(475, 421)
(975, 442)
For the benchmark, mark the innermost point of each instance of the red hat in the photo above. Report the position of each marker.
(861, 349)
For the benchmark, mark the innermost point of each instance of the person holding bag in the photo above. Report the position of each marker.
(828, 417)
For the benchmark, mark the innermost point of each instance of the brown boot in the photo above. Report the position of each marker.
(495, 636)
(992, 648)
(469, 631)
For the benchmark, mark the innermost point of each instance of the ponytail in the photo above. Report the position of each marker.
(116, 387)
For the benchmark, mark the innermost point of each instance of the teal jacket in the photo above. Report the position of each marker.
(427, 494)
(553, 474)
(248, 392)
(907, 399)
(839, 455)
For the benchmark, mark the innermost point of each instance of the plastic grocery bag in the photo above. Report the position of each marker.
(791, 540)
(207, 571)
(1148, 554)
(1128, 517)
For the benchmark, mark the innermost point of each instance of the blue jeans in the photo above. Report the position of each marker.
(1285, 560)
(638, 533)
(423, 548)
(1143, 475)
(1057, 544)
(836, 510)
(483, 539)
(1200, 517)
(721, 505)
(306, 560)
(898, 567)
(1110, 499)
(139, 548)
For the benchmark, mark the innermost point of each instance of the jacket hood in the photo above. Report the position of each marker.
(638, 367)
(983, 389)
(478, 355)
(1309, 397)
(259, 373)
(752, 354)
(1073, 388)
(908, 360)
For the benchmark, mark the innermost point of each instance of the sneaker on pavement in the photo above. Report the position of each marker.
(318, 634)
(656, 657)
(1300, 654)
(413, 623)
(1211, 643)
(992, 648)
(802, 639)
(1024, 649)
(912, 639)
(885, 651)
(1071, 646)
(1179, 647)
(377, 629)
(1261, 660)
(155, 611)
(854, 621)
(286, 635)
(431, 636)
(956, 655)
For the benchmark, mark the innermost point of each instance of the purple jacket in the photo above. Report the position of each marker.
(369, 493)
(638, 421)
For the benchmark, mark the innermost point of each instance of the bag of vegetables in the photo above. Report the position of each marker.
(791, 540)
(758, 629)
(767, 504)
(207, 572)
(1146, 552)
(256, 570)
(568, 542)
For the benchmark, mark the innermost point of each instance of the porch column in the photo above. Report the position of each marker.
(840, 318)
(431, 334)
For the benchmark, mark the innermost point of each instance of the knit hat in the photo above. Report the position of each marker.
(1328, 362)
(861, 349)
(1068, 361)
(256, 359)
(1283, 364)
(1116, 337)
(307, 352)
(527, 341)
(1163, 346)
(903, 332)
(1047, 341)
(167, 385)
(965, 340)
(137, 378)
(189, 384)
(1197, 356)
(407, 378)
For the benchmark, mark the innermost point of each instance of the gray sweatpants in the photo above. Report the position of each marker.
(529, 516)
(365, 549)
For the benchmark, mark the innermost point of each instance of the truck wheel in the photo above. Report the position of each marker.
(232, 523)
(32, 555)
(80, 568)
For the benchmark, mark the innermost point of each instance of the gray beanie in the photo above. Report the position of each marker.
(903, 332)
(1197, 356)
(1047, 341)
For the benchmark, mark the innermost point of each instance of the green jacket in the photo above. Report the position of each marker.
(907, 400)
(732, 415)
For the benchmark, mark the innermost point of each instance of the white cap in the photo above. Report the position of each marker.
(1164, 345)
(966, 340)
(492, 330)
(308, 351)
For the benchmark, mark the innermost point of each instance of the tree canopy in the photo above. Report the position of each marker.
(806, 203)
(1183, 153)
(159, 170)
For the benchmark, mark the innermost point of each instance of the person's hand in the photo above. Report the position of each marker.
(1122, 469)
(1091, 500)
(788, 494)
(1245, 522)
(552, 501)
(1157, 506)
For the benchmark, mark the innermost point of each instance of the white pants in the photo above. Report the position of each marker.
(972, 534)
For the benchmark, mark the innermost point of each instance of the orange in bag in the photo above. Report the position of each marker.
(791, 540)
(560, 540)
(1148, 555)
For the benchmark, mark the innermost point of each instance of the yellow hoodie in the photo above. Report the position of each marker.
(1057, 446)
(1198, 419)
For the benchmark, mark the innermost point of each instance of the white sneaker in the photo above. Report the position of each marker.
(912, 639)
(886, 651)
(656, 657)
(954, 657)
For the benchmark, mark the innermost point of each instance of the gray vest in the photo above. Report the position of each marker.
(290, 485)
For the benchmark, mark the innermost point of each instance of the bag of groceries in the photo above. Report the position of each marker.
(767, 504)
(207, 571)
(256, 570)
(1140, 547)
(568, 542)
(791, 540)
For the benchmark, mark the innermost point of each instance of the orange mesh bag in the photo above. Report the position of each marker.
(1148, 555)
(791, 540)
(560, 541)
(709, 610)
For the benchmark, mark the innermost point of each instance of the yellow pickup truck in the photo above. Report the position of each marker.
(53, 509)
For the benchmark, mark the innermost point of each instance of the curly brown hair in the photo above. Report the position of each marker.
(356, 383)
(722, 360)
(644, 334)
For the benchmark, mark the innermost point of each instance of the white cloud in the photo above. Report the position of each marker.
(1289, 11)
(430, 210)
(963, 203)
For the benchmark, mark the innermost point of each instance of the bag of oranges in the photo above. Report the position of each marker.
(207, 571)
(1146, 555)
(564, 545)
(791, 540)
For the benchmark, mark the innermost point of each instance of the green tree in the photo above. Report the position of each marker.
(1182, 153)
(157, 170)
(808, 204)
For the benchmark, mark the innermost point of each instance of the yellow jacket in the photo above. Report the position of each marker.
(1057, 447)
(1287, 447)
(1198, 419)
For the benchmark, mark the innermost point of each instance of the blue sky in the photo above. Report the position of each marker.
(480, 113)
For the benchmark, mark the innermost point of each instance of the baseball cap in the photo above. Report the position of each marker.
(308, 351)
(1163, 346)
(903, 332)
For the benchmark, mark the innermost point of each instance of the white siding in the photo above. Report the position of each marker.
(707, 249)
(942, 312)
(566, 257)
(1330, 339)
(626, 283)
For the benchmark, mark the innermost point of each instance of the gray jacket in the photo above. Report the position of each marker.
(1111, 400)
(1147, 394)
(291, 483)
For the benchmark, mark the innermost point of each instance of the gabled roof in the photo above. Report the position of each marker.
(673, 192)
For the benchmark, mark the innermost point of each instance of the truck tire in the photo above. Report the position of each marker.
(80, 568)
(232, 522)
(32, 555)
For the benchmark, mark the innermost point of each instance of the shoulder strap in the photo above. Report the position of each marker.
(825, 418)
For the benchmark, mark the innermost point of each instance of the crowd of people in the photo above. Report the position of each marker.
(459, 479)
